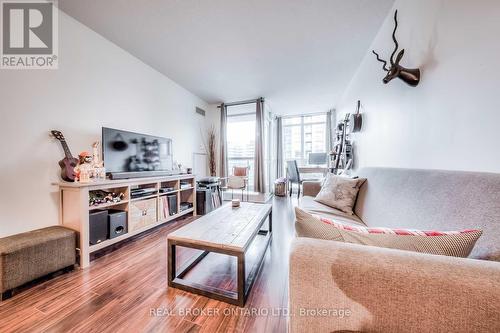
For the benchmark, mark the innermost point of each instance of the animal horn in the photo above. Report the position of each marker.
(394, 37)
(382, 61)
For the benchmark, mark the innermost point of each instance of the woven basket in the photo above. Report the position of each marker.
(280, 189)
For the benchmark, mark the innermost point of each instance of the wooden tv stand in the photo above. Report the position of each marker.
(74, 207)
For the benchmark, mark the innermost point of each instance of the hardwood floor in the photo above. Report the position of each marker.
(126, 291)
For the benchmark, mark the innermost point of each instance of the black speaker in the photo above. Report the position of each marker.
(203, 204)
(117, 223)
(208, 197)
(172, 204)
(98, 226)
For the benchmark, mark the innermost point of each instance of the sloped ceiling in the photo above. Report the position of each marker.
(298, 54)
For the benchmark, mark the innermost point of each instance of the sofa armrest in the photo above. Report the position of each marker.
(336, 286)
(311, 188)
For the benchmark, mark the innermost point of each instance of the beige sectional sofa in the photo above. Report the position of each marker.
(339, 287)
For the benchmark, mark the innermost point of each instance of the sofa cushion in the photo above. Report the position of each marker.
(450, 243)
(310, 205)
(339, 192)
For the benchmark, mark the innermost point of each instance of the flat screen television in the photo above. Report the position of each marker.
(131, 155)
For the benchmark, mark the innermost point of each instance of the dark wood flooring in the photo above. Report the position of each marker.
(126, 291)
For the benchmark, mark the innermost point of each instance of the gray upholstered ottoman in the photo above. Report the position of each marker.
(30, 255)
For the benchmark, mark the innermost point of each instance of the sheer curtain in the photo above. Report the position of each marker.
(329, 130)
(259, 171)
(223, 140)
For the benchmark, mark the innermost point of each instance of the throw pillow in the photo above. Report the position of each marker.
(450, 243)
(340, 192)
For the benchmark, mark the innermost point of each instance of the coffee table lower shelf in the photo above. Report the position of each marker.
(239, 297)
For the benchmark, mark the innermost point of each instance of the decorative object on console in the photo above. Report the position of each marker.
(84, 169)
(449, 243)
(176, 167)
(410, 76)
(68, 163)
(182, 169)
(98, 172)
(99, 197)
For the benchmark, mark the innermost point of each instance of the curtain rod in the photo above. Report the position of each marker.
(243, 102)
(303, 115)
(241, 114)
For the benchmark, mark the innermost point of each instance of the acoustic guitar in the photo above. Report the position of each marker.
(68, 163)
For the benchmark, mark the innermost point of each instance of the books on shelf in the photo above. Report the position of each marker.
(164, 211)
(216, 199)
(168, 206)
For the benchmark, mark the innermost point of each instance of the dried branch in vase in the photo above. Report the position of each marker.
(211, 149)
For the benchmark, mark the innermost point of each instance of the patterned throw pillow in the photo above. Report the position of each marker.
(449, 243)
(339, 192)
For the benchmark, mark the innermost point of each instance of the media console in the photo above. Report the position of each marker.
(168, 200)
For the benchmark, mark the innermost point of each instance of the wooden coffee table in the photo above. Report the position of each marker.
(228, 231)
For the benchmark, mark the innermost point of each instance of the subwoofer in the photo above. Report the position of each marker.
(117, 223)
(98, 226)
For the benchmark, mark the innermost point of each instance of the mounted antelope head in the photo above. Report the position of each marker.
(410, 76)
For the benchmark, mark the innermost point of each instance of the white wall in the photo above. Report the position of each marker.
(451, 120)
(97, 84)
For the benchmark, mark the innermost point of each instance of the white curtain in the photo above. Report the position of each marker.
(223, 140)
(259, 171)
(329, 130)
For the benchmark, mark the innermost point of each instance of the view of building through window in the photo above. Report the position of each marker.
(303, 135)
(241, 138)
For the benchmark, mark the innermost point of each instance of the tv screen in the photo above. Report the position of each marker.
(132, 152)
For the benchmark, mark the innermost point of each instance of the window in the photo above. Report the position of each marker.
(303, 135)
(241, 138)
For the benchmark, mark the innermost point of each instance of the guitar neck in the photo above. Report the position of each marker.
(67, 152)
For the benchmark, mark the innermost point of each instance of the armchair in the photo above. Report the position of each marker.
(237, 181)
